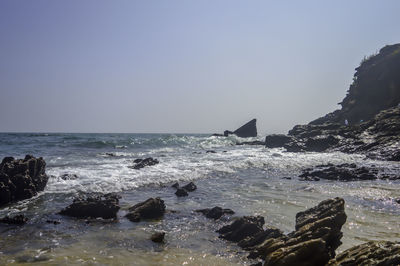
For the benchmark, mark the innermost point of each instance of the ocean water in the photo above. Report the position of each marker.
(251, 180)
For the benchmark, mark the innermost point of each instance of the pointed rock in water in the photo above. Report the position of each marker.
(370, 253)
(158, 237)
(152, 208)
(18, 220)
(21, 179)
(247, 130)
(215, 213)
(98, 206)
(190, 187)
(181, 192)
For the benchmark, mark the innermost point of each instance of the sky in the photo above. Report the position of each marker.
(182, 66)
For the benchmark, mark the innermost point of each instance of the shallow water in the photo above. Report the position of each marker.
(251, 180)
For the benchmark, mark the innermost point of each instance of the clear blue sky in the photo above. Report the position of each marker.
(182, 66)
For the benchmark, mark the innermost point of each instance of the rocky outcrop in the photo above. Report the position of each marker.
(95, 206)
(16, 220)
(317, 236)
(370, 253)
(21, 178)
(152, 208)
(375, 87)
(246, 131)
(215, 213)
(183, 191)
(342, 172)
(140, 163)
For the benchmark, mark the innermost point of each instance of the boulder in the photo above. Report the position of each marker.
(158, 237)
(215, 213)
(181, 192)
(370, 253)
(140, 163)
(21, 178)
(69, 176)
(242, 228)
(17, 220)
(190, 187)
(277, 140)
(96, 206)
(152, 208)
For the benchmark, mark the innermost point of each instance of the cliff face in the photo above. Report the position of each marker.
(375, 87)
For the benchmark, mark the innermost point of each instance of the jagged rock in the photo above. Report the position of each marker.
(370, 253)
(215, 213)
(104, 206)
(190, 187)
(21, 179)
(251, 242)
(17, 220)
(314, 241)
(241, 228)
(342, 172)
(152, 208)
(277, 140)
(181, 192)
(158, 237)
(247, 130)
(69, 176)
(140, 163)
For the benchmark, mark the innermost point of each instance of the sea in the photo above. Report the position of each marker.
(251, 180)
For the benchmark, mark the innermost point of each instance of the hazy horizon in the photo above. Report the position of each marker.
(181, 66)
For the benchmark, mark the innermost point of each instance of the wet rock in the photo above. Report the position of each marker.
(251, 242)
(277, 140)
(190, 187)
(53, 222)
(140, 163)
(21, 178)
(175, 185)
(370, 253)
(342, 172)
(246, 131)
(96, 206)
(69, 176)
(243, 227)
(16, 220)
(211, 151)
(317, 236)
(215, 213)
(158, 237)
(152, 208)
(218, 135)
(181, 192)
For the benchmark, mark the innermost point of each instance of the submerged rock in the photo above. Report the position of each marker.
(181, 192)
(158, 237)
(370, 253)
(254, 142)
(215, 213)
(21, 178)
(190, 187)
(241, 228)
(152, 208)
(69, 176)
(140, 163)
(17, 220)
(97, 206)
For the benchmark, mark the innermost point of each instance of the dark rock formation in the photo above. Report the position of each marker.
(69, 176)
(254, 142)
(215, 213)
(21, 179)
(243, 227)
(175, 185)
(211, 151)
(375, 87)
(181, 192)
(314, 241)
(190, 187)
(345, 172)
(140, 163)
(277, 140)
(158, 237)
(247, 130)
(96, 206)
(17, 220)
(152, 208)
(370, 253)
